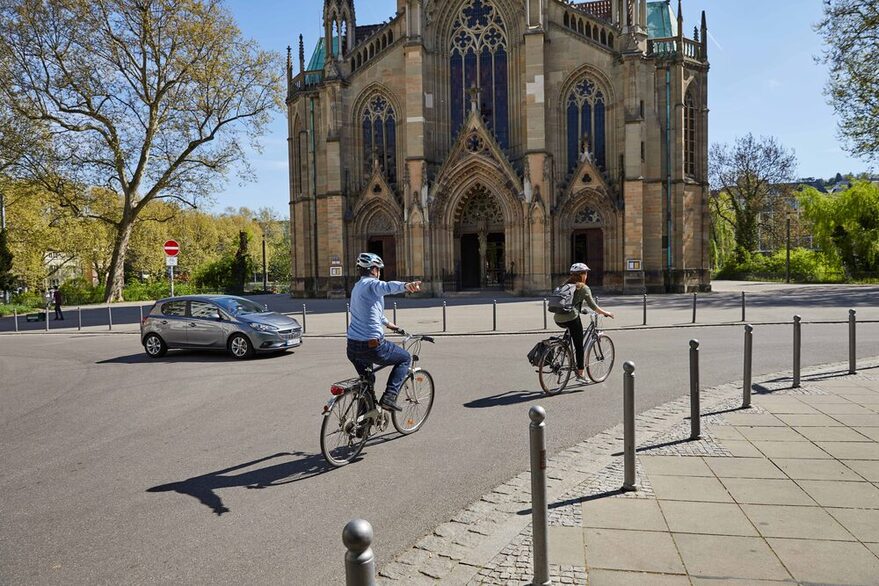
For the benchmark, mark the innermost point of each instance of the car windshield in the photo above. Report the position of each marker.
(238, 306)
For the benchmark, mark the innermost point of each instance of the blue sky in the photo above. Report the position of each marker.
(763, 79)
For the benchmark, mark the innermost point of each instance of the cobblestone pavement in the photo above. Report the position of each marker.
(489, 542)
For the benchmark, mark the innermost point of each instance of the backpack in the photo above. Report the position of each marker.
(535, 355)
(562, 299)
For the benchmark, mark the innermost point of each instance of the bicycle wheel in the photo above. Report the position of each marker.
(341, 437)
(554, 370)
(416, 400)
(600, 358)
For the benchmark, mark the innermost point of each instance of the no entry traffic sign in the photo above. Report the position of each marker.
(171, 247)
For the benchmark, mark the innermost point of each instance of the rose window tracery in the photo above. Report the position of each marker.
(587, 216)
(482, 209)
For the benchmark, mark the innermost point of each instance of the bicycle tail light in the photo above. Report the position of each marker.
(337, 390)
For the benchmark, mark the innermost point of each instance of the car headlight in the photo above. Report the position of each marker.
(263, 327)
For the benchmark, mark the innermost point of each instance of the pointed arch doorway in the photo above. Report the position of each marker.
(587, 244)
(480, 241)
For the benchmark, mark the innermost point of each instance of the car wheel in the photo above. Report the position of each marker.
(155, 346)
(240, 347)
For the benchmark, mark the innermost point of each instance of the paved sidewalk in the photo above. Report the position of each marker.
(784, 492)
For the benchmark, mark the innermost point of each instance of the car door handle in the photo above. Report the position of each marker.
(192, 324)
(164, 322)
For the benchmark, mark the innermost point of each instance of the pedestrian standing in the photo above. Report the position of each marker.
(58, 298)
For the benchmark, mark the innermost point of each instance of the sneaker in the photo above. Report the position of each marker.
(390, 404)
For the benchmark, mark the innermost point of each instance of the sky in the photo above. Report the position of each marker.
(763, 79)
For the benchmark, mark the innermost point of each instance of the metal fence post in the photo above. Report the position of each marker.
(645, 309)
(444, 316)
(545, 311)
(695, 415)
(110, 316)
(694, 307)
(395, 312)
(852, 353)
(743, 306)
(359, 559)
(537, 430)
(629, 425)
(746, 372)
(79, 314)
(797, 344)
(494, 316)
(304, 330)
(15, 316)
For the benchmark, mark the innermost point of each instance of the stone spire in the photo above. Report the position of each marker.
(704, 36)
(301, 54)
(680, 21)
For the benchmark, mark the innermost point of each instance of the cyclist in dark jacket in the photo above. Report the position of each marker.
(571, 319)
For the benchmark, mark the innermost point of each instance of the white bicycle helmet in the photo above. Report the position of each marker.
(367, 260)
(579, 267)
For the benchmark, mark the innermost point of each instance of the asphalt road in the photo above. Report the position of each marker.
(199, 470)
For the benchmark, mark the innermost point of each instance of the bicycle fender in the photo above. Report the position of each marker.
(329, 406)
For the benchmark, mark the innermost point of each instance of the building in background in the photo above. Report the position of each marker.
(480, 144)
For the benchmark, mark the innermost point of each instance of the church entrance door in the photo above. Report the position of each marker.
(588, 246)
(385, 247)
(482, 260)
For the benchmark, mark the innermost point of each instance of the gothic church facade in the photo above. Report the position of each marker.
(488, 144)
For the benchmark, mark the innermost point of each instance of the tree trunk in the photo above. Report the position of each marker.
(116, 272)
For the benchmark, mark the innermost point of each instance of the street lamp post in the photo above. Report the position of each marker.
(265, 273)
(787, 259)
(5, 297)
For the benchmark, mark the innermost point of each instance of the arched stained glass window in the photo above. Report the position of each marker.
(586, 121)
(380, 137)
(690, 135)
(478, 62)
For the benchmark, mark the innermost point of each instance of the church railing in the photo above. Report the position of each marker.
(670, 48)
(307, 80)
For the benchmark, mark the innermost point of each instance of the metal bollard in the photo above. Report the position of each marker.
(746, 371)
(694, 307)
(140, 308)
(545, 311)
(494, 316)
(645, 309)
(537, 430)
(629, 426)
(743, 306)
(852, 354)
(798, 339)
(15, 315)
(47, 317)
(395, 312)
(359, 559)
(347, 316)
(110, 316)
(79, 313)
(444, 316)
(695, 415)
(303, 319)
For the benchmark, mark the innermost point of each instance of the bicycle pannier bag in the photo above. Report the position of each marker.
(535, 355)
(562, 299)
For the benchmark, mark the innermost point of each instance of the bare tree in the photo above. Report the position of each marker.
(850, 29)
(152, 99)
(745, 177)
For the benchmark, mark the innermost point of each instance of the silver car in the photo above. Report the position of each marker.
(217, 322)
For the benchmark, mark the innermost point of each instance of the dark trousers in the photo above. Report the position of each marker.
(575, 326)
(58, 314)
(385, 354)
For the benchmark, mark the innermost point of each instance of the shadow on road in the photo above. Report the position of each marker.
(203, 487)
(185, 356)
(514, 397)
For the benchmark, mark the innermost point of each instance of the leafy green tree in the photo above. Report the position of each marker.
(7, 279)
(745, 179)
(152, 99)
(847, 224)
(850, 29)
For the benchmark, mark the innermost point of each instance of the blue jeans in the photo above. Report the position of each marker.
(385, 354)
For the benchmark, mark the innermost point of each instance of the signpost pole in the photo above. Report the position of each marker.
(172, 281)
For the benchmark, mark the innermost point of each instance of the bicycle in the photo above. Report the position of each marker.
(557, 362)
(353, 413)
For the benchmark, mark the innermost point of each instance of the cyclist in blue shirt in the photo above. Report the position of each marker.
(367, 345)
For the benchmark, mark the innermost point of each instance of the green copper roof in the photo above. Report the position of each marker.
(318, 59)
(661, 20)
